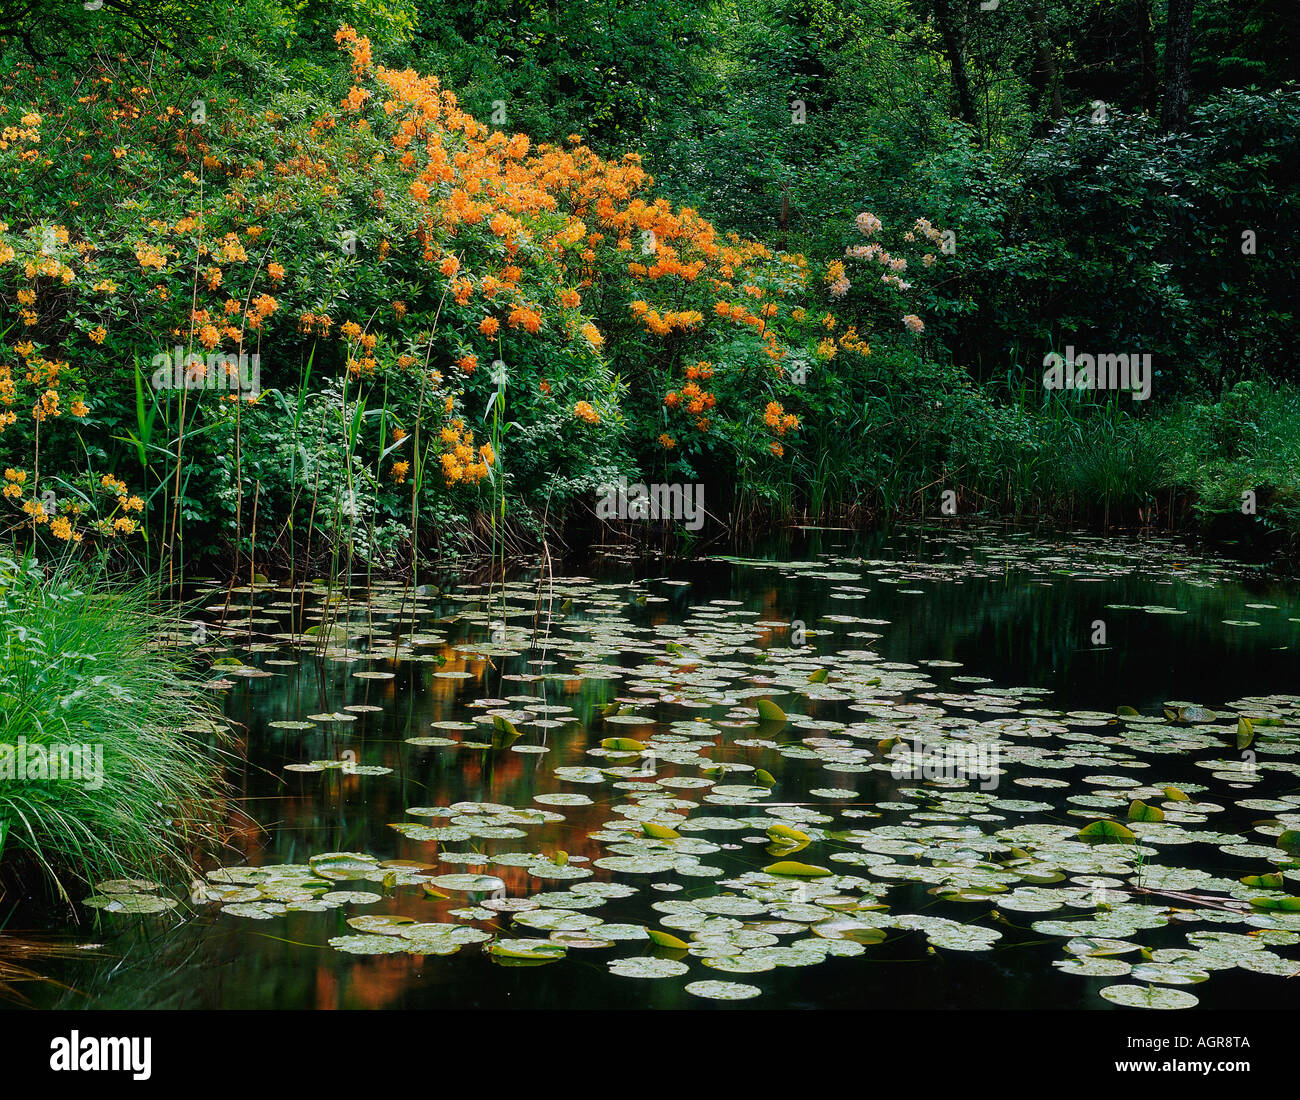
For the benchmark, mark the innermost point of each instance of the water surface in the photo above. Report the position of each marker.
(965, 730)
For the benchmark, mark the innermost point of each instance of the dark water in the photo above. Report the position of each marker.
(1018, 611)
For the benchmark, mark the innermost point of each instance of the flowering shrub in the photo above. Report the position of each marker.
(433, 265)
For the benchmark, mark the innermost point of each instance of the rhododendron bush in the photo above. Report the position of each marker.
(458, 312)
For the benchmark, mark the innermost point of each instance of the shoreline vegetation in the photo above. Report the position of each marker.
(287, 302)
(113, 750)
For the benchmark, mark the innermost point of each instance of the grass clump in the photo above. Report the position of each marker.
(108, 747)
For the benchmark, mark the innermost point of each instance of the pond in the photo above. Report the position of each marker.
(567, 793)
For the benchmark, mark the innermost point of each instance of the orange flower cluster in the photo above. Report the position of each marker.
(358, 46)
(461, 464)
(312, 322)
(527, 319)
(663, 325)
(779, 422)
(693, 399)
(583, 411)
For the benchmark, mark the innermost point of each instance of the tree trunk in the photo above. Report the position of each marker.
(1149, 80)
(1178, 63)
(952, 42)
(1043, 74)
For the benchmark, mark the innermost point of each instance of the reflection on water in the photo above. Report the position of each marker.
(934, 638)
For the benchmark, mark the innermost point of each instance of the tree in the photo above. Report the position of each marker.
(954, 48)
(1178, 65)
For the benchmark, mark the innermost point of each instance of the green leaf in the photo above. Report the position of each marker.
(1286, 905)
(663, 939)
(768, 711)
(622, 744)
(1245, 732)
(1270, 881)
(1140, 811)
(659, 832)
(537, 951)
(783, 833)
(818, 677)
(792, 869)
(503, 732)
(1107, 831)
(1289, 842)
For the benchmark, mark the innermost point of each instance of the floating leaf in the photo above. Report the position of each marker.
(1107, 831)
(785, 834)
(722, 991)
(532, 951)
(1188, 714)
(1285, 905)
(647, 967)
(622, 744)
(796, 870)
(1148, 996)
